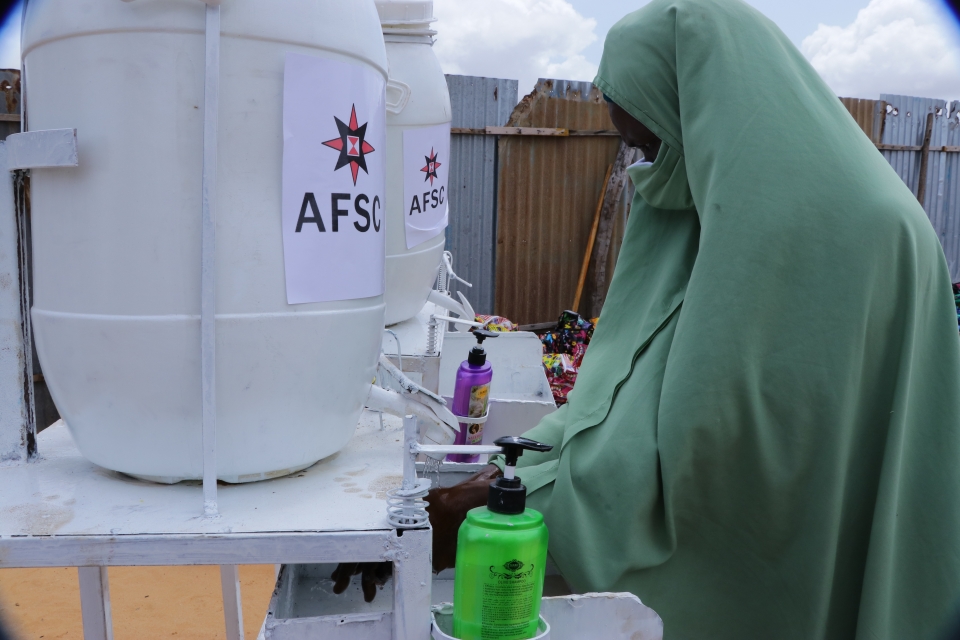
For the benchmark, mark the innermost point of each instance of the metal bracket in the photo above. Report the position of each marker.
(42, 149)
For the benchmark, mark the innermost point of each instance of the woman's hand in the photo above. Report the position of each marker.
(448, 509)
(375, 575)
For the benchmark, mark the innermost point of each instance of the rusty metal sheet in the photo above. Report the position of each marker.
(869, 115)
(547, 194)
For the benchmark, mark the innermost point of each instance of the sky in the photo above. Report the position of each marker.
(862, 48)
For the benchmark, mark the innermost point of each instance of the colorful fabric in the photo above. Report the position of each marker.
(496, 323)
(764, 436)
(569, 340)
(561, 373)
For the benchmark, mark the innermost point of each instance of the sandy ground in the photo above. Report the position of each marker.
(148, 602)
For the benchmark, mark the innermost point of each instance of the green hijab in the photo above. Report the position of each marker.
(764, 438)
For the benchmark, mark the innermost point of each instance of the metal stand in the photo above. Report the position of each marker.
(92, 519)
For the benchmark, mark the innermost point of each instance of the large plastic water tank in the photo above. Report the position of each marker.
(117, 240)
(417, 99)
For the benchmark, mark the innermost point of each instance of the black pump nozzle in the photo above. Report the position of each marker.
(514, 446)
(483, 334)
(507, 494)
(477, 356)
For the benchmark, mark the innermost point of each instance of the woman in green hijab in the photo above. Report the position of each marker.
(764, 437)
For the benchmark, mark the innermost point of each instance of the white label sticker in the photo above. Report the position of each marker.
(334, 177)
(426, 164)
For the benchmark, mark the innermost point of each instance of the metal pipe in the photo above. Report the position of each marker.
(208, 254)
(445, 449)
(409, 461)
(399, 348)
(457, 320)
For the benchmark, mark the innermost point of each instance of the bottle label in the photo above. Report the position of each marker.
(479, 396)
(508, 593)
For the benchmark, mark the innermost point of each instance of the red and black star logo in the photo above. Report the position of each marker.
(431, 168)
(351, 145)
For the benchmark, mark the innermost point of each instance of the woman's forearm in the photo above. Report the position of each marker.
(448, 509)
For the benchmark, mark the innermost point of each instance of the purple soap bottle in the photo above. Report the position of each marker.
(471, 395)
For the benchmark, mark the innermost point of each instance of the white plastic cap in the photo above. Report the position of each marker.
(405, 12)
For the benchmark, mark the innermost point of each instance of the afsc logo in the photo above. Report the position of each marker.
(353, 149)
(432, 198)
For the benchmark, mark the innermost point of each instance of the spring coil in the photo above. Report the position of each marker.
(407, 511)
(443, 278)
(433, 328)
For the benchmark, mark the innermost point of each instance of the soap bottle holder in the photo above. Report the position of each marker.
(441, 627)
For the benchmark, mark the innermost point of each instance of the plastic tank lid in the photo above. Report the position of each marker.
(405, 12)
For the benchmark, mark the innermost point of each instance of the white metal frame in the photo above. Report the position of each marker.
(93, 554)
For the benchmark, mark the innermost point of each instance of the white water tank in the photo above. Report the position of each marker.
(117, 240)
(418, 124)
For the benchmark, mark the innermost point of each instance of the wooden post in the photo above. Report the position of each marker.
(601, 250)
(924, 156)
(590, 240)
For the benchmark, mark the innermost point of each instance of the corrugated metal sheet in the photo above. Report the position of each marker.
(905, 125)
(947, 219)
(476, 103)
(547, 196)
(522, 208)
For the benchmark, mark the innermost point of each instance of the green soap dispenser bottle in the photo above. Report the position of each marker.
(501, 557)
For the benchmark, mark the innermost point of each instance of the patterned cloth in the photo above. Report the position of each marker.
(496, 323)
(563, 350)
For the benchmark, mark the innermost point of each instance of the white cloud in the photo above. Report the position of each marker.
(906, 47)
(522, 39)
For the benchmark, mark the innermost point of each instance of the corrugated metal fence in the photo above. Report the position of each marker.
(471, 236)
(905, 125)
(524, 205)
